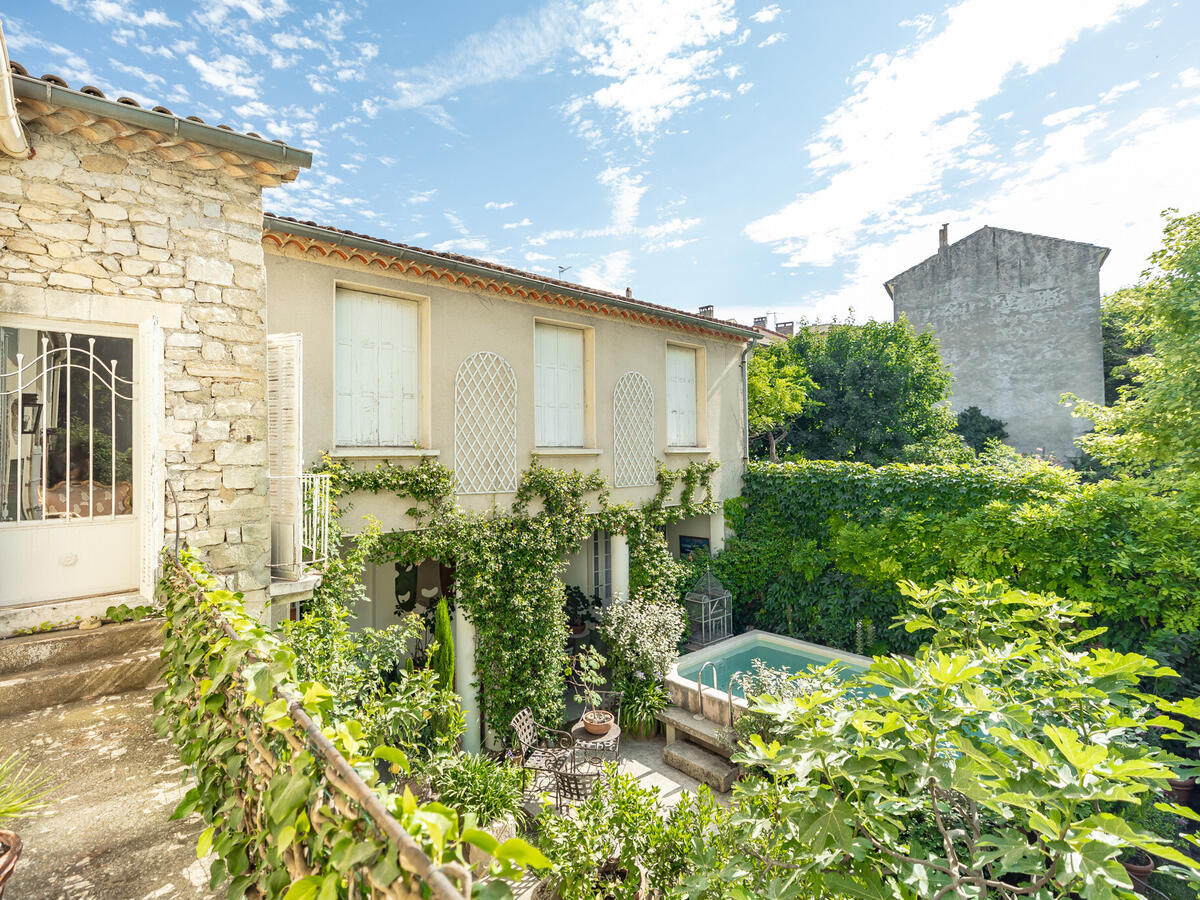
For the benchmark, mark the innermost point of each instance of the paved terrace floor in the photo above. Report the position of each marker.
(107, 833)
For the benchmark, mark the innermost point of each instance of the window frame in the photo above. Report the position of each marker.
(701, 439)
(422, 442)
(589, 388)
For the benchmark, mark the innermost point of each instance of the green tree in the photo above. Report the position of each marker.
(442, 658)
(976, 428)
(776, 386)
(1154, 425)
(878, 388)
(1120, 339)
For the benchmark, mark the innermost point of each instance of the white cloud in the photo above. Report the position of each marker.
(1066, 115)
(922, 23)
(611, 272)
(524, 223)
(745, 87)
(120, 12)
(773, 38)
(229, 74)
(913, 121)
(321, 87)
(1189, 78)
(422, 196)
(1117, 90)
(626, 191)
(492, 204)
(533, 257)
(215, 12)
(767, 14)
(663, 236)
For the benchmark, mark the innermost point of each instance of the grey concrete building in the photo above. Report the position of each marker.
(1018, 318)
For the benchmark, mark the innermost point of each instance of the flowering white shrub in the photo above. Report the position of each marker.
(643, 635)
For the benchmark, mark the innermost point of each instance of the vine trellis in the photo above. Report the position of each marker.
(508, 562)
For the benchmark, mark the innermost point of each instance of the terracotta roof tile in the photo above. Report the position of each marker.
(497, 267)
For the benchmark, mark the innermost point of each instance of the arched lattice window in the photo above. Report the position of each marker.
(633, 431)
(485, 425)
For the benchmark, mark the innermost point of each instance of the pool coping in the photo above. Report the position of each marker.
(714, 700)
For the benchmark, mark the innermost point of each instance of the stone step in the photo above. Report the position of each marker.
(691, 759)
(23, 654)
(84, 679)
(708, 735)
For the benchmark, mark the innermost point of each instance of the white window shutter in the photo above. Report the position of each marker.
(152, 402)
(285, 450)
(681, 397)
(378, 370)
(558, 388)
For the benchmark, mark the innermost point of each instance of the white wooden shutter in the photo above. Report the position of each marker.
(681, 396)
(378, 370)
(558, 374)
(151, 400)
(285, 450)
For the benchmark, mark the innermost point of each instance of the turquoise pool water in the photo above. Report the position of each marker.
(776, 655)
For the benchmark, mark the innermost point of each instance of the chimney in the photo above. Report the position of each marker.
(944, 237)
(785, 328)
(760, 321)
(706, 311)
(628, 293)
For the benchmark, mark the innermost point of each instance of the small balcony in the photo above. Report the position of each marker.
(299, 507)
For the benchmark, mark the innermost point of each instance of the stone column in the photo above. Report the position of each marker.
(464, 678)
(619, 560)
(716, 531)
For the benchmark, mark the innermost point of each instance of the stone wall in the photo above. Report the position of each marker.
(1018, 319)
(89, 232)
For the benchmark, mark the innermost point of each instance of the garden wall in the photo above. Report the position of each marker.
(819, 546)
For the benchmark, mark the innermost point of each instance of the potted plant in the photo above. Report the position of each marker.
(22, 790)
(581, 610)
(583, 672)
(1139, 864)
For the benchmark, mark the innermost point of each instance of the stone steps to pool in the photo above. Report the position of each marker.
(698, 748)
(693, 760)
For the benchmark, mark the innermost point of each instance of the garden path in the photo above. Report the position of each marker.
(106, 834)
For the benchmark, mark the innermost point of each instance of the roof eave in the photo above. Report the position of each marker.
(184, 129)
(315, 232)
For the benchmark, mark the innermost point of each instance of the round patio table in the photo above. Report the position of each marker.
(580, 733)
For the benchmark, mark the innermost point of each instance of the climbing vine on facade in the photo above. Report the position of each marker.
(507, 563)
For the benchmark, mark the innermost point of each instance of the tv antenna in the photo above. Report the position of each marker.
(562, 269)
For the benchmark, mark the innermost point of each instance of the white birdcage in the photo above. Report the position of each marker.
(710, 611)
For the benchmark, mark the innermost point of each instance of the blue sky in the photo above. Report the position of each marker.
(781, 158)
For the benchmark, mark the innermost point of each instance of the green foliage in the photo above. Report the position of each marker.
(583, 672)
(479, 784)
(1121, 340)
(776, 386)
(642, 699)
(124, 613)
(507, 562)
(977, 766)
(976, 429)
(819, 546)
(620, 832)
(23, 789)
(1154, 425)
(642, 636)
(877, 388)
(230, 703)
(441, 660)
(580, 608)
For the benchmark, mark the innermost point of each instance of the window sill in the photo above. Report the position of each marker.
(381, 452)
(684, 450)
(566, 451)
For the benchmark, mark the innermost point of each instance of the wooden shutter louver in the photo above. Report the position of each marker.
(681, 397)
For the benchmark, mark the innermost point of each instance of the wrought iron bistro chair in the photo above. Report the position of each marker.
(541, 749)
(572, 782)
(607, 748)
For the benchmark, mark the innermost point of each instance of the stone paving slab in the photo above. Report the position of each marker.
(107, 833)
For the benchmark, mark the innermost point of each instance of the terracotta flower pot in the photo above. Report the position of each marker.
(1139, 872)
(1181, 789)
(597, 721)
(10, 852)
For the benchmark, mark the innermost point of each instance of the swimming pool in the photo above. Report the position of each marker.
(737, 654)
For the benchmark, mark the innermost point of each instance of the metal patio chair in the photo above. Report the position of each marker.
(541, 749)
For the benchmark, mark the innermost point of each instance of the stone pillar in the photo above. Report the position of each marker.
(716, 531)
(619, 560)
(464, 678)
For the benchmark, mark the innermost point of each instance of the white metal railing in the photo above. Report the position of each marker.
(299, 523)
(39, 381)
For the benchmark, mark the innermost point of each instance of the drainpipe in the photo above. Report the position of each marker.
(747, 352)
(12, 133)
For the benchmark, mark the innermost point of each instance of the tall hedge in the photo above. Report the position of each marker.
(819, 546)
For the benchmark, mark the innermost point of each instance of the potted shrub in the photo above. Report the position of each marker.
(583, 672)
(486, 787)
(22, 790)
(581, 610)
(1139, 864)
